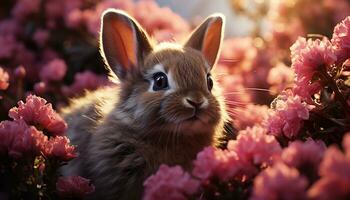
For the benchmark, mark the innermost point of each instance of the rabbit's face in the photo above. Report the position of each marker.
(177, 90)
(181, 78)
(168, 86)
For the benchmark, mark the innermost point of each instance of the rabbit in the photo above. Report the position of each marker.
(166, 108)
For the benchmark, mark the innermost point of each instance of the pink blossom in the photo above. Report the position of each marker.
(307, 154)
(254, 148)
(234, 92)
(308, 57)
(238, 54)
(9, 27)
(341, 39)
(41, 37)
(74, 18)
(170, 183)
(54, 9)
(248, 116)
(59, 147)
(346, 144)
(280, 77)
(339, 8)
(54, 70)
(37, 112)
(92, 17)
(335, 177)
(86, 80)
(74, 187)
(288, 115)
(18, 139)
(212, 162)
(24, 8)
(20, 72)
(40, 88)
(8, 46)
(279, 182)
(163, 23)
(4, 79)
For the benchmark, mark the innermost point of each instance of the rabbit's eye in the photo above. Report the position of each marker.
(160, 81)
(209, 82)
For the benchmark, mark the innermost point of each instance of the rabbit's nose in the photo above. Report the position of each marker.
(195, 103)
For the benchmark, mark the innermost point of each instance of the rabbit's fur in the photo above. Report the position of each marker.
(124, 132)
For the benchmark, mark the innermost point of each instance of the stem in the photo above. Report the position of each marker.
(338, 95)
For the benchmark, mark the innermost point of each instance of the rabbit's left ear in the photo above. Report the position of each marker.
(207, 37)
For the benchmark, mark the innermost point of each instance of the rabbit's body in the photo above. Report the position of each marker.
(164, 110)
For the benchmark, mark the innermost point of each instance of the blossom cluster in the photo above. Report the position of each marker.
(290, 150)
(50, 48)
(287, 93)
(34, 141)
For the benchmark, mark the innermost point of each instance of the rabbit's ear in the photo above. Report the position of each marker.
(123, 43)
(207, 37)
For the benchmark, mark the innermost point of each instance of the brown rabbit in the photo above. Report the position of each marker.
(166, 108)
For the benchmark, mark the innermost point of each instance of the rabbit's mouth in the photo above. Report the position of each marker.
(197, 118)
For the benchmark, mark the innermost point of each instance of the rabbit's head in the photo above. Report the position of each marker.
(165, 87)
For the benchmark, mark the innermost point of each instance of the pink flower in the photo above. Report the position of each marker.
(18, 139)
(40, 88)
(308, 57)
(4, 79)
(247, 116)
(8, 46)
(212, 162)
(335, 177)
(304, 155)
(9, 27)
(54, 70)
(37, 112)
(24, 8)
(170, 183)
(254, 148)
(41, 37)
(20, 72)
(92, 17)
(341, 39)
(280, 77)
(86, 80)
(346, 144)
(288, 115)
(59, 147)
(162, 23)
(279, 182)
(74, 18)
(74, 187)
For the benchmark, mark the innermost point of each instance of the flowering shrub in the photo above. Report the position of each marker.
(282, 153)
(33, 146)
(288, 95)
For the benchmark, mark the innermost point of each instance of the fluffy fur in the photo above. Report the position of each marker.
(124, 132)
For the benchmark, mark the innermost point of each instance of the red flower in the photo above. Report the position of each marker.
(18, 139)
(4, 79)
(74, 187)
(35, 111)
(59, 147)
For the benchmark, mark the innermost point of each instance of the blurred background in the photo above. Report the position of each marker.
(50, 47)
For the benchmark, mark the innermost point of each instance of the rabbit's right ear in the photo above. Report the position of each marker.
(123, 43)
